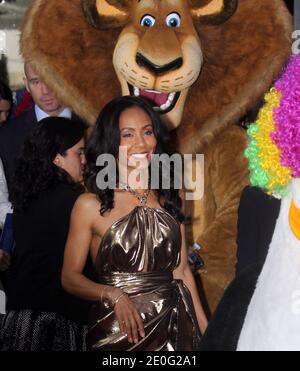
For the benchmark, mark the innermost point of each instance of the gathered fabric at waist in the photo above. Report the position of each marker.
(165, 305)
(136, 282)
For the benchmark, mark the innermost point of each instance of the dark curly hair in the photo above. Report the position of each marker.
(35, 171)
(105, 139)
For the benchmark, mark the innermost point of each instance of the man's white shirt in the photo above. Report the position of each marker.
(40, 114)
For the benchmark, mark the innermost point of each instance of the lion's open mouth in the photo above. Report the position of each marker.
(161, 102)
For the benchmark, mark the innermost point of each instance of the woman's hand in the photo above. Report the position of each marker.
(4, 260)
(129, 319)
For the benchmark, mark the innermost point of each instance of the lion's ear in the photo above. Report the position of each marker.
(105, 14)
(212, 11)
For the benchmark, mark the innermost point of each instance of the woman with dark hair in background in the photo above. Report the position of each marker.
(6, 102)
(146, 295)
(41, 315)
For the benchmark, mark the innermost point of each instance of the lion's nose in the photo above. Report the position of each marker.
(158, 70)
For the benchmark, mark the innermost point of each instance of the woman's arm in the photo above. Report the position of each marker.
(77, 250)
(84, 214)
(184, 273)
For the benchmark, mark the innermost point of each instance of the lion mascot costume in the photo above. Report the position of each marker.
(202, 63)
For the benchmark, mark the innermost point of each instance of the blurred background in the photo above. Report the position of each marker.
(11, 15)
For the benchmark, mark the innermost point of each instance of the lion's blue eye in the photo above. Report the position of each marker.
(173, 20)
(147, 21)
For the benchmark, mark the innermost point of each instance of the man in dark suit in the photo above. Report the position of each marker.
(14, 133)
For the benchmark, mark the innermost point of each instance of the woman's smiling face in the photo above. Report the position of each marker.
(137, 137)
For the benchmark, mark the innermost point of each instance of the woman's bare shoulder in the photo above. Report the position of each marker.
(87, 202)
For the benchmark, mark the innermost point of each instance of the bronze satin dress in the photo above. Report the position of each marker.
(148, 238)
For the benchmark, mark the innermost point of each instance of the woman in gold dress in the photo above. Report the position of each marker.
(146, 297)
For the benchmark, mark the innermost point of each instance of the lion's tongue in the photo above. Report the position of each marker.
(157, 99)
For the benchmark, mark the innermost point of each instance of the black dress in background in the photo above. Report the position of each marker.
(40, 314)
